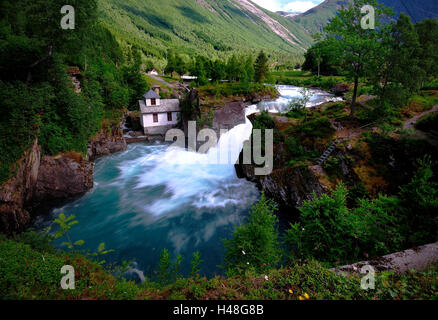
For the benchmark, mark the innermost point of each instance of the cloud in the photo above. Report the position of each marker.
(287, 5)
(299, 6)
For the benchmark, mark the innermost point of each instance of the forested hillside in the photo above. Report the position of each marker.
(37, 95)
(215, 29)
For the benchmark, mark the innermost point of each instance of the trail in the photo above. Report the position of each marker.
(410, 124)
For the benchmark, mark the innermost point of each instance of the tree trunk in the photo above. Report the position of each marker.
(353, 101)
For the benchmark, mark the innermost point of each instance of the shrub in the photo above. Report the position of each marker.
(254, 244)
(331, 232)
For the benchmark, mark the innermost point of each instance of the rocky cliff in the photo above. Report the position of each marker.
(42, 182)
(289, 187)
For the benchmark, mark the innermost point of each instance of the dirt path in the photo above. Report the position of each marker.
(410, 124)
(161, 80)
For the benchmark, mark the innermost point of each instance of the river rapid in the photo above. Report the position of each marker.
(152, 197)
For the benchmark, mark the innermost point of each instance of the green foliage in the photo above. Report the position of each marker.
(30, 269)
(353, 47)
(298, 106)
(254, 245)
(190, 28)
(195, 263)
(319, 127)
(65, 223)
(331, 232)
(38, 99)
(168, 271)
(261, 67)
(420, 205)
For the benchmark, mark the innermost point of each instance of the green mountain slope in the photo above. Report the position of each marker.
(314, 19)
(214, 28)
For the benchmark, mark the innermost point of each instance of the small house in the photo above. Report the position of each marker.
(158, 115)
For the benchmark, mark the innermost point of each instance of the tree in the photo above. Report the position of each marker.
(261, 67)
(233, 68)
(171, 62)
(248, 69)
(353, 45)
(319, 59)
(254, 245)
(428, 52)
(218, 71)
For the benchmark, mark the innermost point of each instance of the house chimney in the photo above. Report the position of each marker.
(156, 88)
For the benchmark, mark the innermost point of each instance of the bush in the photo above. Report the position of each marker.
(319, 127)
(254, 245)
(331, 232)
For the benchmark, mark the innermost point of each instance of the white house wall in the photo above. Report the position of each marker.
(148, 120)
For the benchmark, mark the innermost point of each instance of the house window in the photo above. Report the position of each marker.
(155, 115)
(153, 101)
(169, 116)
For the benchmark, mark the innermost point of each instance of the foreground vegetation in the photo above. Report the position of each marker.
(30, 269)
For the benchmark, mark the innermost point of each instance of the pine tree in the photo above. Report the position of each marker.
(261, 67)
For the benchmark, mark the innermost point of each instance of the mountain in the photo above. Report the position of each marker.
(214, 28)
(317, 17)
(287, 14)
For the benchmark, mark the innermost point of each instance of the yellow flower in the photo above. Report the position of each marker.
(306, 296)
(301, 298)
(290, 291)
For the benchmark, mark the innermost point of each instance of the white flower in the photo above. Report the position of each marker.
(243, 252)
(247, 263)
(266, 278)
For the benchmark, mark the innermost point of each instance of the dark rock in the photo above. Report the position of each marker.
(17, 190)
(229, 116)
(340, 89)
(289, 187)
(61, 179)
(104, 144)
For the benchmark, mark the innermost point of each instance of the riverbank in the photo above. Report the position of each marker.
(42, 181)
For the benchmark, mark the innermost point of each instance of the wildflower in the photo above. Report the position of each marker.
(290, 291)
(266, 278)
(243, 252)
(247, 263)
(306, 296)
(300, 298)
(366, 255)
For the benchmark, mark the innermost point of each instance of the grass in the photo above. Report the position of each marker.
(30, 269)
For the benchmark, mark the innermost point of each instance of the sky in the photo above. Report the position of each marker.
(288, 5)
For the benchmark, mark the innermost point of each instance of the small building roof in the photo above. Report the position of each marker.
(167, 105)
(151, 94)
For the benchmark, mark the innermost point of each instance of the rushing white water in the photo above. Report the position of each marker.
(151, 197)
